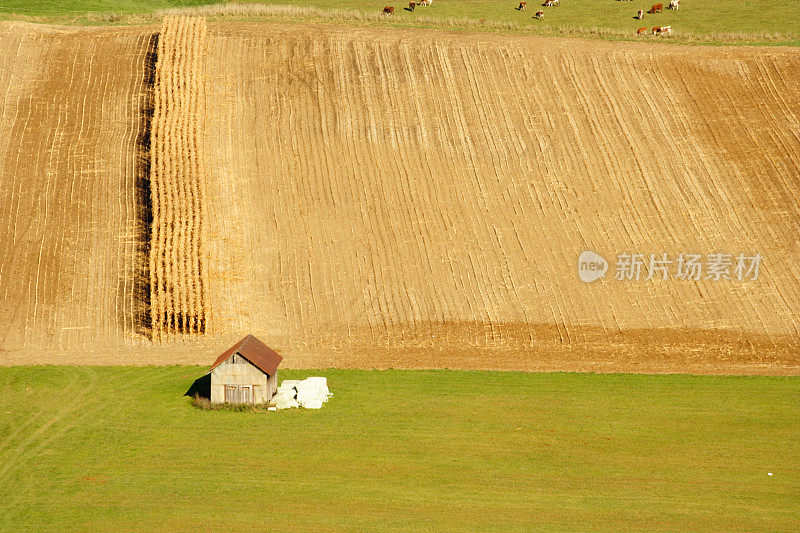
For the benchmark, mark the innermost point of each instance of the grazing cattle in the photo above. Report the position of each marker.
(550, 3)
(412, 6)
(539, 14)
(423, 3)
(674, 4)
(641, 31)
(662, 30)
(657, 8)
(640, 16)
(388, 10)
(521, 6)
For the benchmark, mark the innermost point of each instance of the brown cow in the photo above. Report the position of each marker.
(539, 14)
(662, 30)
(521, 6)
(412, 6)
(641, 31)
(640, 15)
(550, 3)
(656, 8)
(388, 10)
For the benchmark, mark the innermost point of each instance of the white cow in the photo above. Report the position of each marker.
(674, 4)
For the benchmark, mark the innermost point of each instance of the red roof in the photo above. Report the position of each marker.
(255, 351)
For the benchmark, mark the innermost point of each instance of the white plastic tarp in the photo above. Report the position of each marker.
(284, 401)
(322, 386)
(314, 403)
(310, 393)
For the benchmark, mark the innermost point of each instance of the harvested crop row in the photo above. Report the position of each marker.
(176, 265)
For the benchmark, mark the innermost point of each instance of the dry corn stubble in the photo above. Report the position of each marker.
(397, 198)
(177, 267)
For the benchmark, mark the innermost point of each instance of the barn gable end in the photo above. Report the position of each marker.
(255, 351)
(245, 373)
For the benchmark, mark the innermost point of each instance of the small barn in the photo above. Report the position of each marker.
(247, 372)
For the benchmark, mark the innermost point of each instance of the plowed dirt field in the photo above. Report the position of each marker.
(410, 198)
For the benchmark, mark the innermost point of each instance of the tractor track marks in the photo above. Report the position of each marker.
(392, 198)
(438, 196)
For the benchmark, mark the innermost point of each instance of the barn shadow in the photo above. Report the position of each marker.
(201, 387)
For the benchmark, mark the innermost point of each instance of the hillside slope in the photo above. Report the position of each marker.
(432, 190)
(419, 198)
(70, 126)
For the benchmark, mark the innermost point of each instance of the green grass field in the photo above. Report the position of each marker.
(119, 448)
(700, 21)
(57, 8)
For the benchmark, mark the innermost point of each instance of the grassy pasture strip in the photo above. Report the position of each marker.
(57, 417)
(60, 8)
(410, 449)
(699, 21)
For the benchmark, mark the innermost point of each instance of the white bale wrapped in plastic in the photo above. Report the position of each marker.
(322, 386)
(310, 393)
(306, 391)
(291, 391)
(313, 392)
(314, 403)
(283, 400)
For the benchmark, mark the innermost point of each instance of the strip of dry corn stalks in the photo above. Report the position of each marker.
(177, 271)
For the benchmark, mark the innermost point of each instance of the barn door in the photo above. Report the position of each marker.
(247, 394)
(231, 394)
